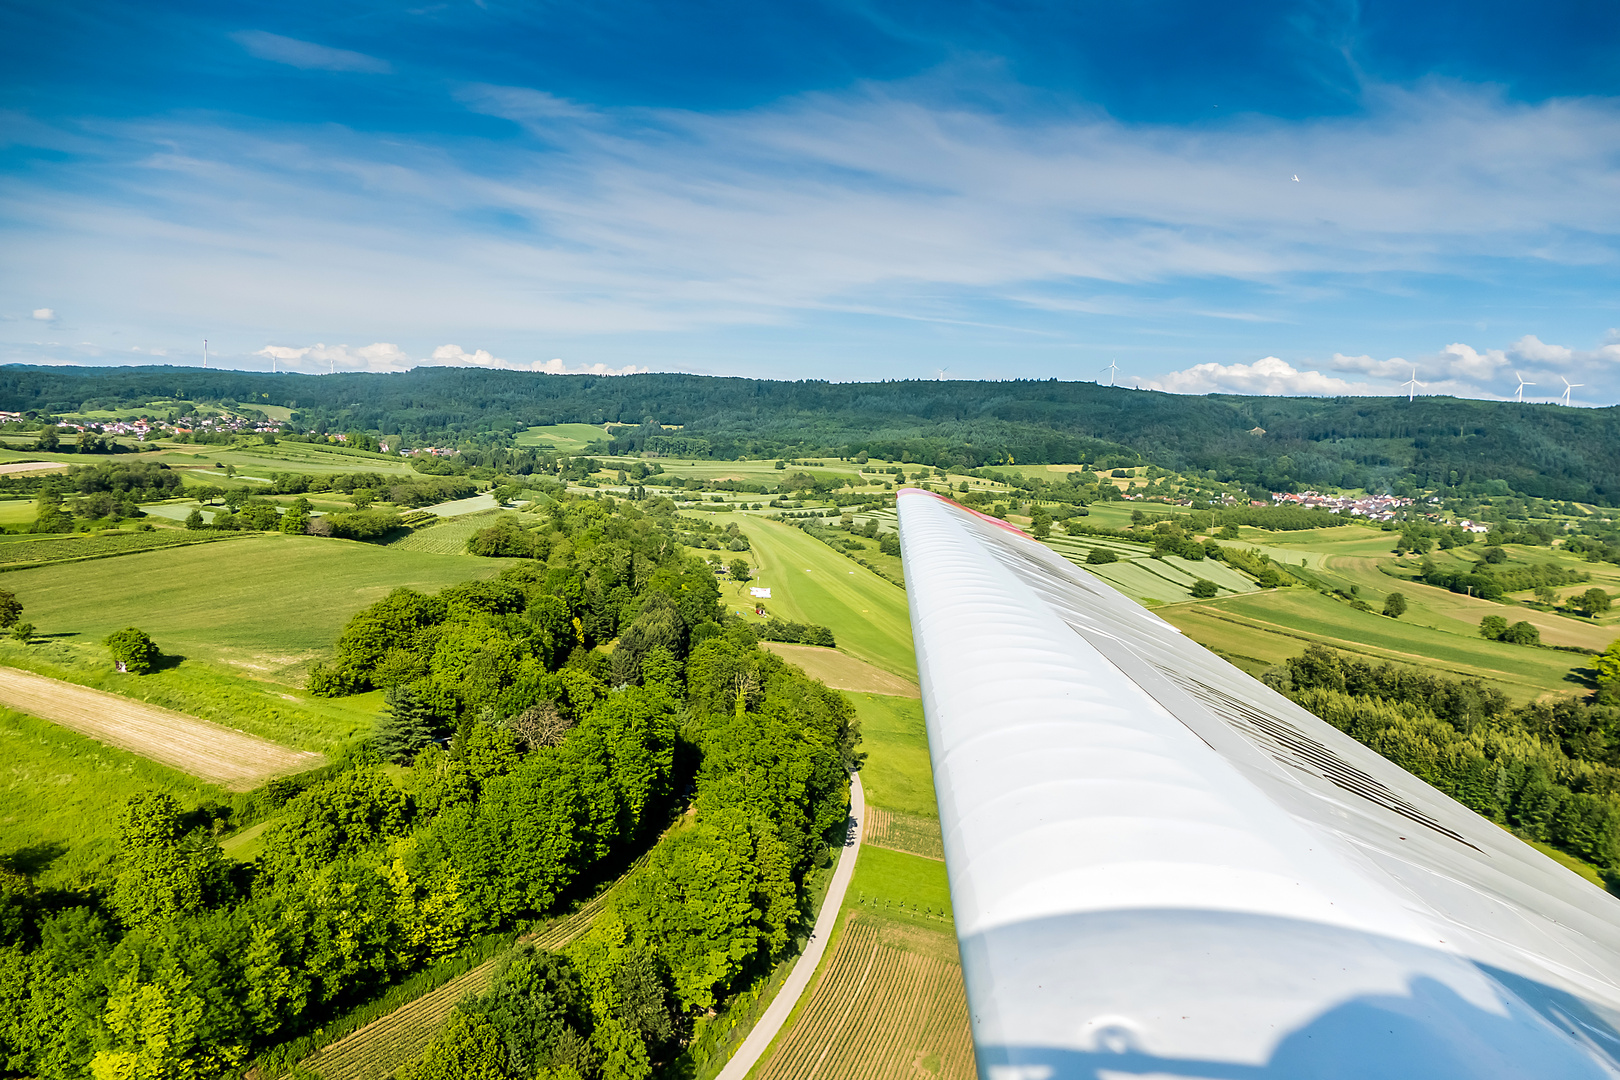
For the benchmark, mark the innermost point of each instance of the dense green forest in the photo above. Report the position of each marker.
(516, 768)
(1550, 769)
(1264, 442)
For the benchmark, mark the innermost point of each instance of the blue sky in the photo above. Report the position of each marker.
(823, 190)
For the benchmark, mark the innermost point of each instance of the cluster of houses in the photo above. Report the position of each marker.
(1372, 507)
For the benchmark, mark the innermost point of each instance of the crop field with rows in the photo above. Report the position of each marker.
(910, 833)
(890, 1004)
(18, 552)
(447, 537)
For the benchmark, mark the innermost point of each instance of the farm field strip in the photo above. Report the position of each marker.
(51, 549)
(382, 1046)
(879, 1011)
(842, 671)
(812, 583)
(234, 759)
(444, 538)
(910, 833)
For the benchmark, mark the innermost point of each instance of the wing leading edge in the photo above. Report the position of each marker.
(1159, 866)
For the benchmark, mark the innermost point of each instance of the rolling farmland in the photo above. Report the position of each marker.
(267, 602)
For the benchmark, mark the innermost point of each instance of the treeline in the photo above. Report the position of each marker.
(535, 767)
(1464, 447)
(1493, 582)
(1550, 770)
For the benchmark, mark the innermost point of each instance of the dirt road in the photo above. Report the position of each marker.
(233, 759)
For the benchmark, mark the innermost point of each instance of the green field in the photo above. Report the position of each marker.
(563, 438)
(896, 885)
(898, 774)
(60, 794)
(266, 605)
(812, 583)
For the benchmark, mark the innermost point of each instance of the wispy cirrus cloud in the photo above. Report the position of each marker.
(307, 54)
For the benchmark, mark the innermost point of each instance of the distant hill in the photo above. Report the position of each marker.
(1540, 450)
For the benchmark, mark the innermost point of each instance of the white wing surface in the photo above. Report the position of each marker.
(1161, 867)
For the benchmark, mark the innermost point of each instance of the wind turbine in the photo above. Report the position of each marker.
(205, 354)
(1412, 384)
(1519, 394)
(940, 376)
(1113, 366)
(1568, 386)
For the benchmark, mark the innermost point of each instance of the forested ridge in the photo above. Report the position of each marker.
(534, 767)
(1275, 443)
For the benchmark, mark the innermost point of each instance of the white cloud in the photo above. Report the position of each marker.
(307, 54)
(380, 356)
(1533, 349)
(384, 356)
(1465, 361)
(1266, 376)
(44, 314)
(1394, 367)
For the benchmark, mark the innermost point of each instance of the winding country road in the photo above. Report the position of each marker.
(748, 1054)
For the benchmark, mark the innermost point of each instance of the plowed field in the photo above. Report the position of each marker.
(233, 759)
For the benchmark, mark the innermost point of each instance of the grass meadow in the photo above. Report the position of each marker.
(265, 606)
(60, 795)
(563, 438)
(898, 774)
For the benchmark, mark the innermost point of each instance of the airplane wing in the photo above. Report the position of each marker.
(1161, 867)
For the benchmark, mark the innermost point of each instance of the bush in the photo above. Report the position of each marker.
(1493, 627)
(1203, 589)
(889, 543)
(324, 681)
(1395, 605)
(1099, 556)
(132, 651)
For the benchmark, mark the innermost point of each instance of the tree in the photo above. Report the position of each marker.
(296, 520)
(162, 876)
(1593, 602)
(1493, 627)
(11, 608)
(403, 729)
(1040, 522)
(49, 439)
(1546, 594)
(889, 543)
(1522, 633)
(1608, 673)
(132, 651)
(194, 520)
(1395, 605)
(740, 573)
(1203, 589)
(1099, 556)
